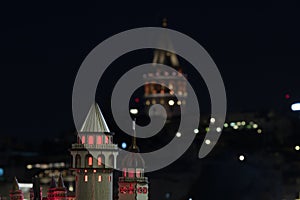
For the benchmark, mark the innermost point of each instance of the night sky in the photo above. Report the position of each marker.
(256, 48)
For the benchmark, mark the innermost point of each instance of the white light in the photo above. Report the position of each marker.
(179, 103)
(134, 111)
(239, 123)
(241, 157)
(171, 102)
(212, 120)
(29, 166)
(232, 124)
(218, 129)
(207, 142)
(225, 125)
(178, 134)
(295, 107)
(190, 199)
(297, 148)
(196, 130)
(71, 188)
(259, 131)
(255, 126)
(25, 185)
(243, 123)
(235, 127)
(124, 145)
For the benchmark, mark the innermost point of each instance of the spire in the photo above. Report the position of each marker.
(164, 22)
(15, 186)
(134, 147)
(94, 122)
(60, 183)
(36, 188)
(53, 183)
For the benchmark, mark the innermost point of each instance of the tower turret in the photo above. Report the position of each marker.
(57, 191)
(16, 193)
(133, 185)
(94, 157)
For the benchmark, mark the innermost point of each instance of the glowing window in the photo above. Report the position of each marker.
(83, 139)
(106, 139)
(138, 173)
(99, 178)
(91, 139)
(109, 178)
(124, 172)
(130, 173)
(99, 161)
(85, 178)
(90, 160)
(99, 140)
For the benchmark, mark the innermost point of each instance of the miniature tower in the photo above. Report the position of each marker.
(16, 193)
(94, 157)
(133, 185)
(155, 92)
(57, 191)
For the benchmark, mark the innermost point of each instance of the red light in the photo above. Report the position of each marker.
(137, 100)
(90, 161)
(91, 140)
(287, 96)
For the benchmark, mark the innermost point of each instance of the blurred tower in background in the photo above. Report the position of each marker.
(94, 174)
(154, 92)
(133, 185)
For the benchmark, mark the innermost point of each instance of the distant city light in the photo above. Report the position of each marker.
(212, 120)
(295, 107)
(190, 199)
(235, 127)
(287, 96)
(71, 188)
(255, 126)
(241, 157)
(171, 102)
(1, 171)
(178, 134)
(297, 148)
(137, 100)
(232, 124)
(168, 195)
(218, 129)
(134, 111)
(29, 166)
(179, 103)
(207, 129)
(225, 125)
(207, 142)
(196, 130)
(124, 145)
(243, 123)
(259, 131)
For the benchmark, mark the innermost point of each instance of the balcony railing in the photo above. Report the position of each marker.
(94, 146)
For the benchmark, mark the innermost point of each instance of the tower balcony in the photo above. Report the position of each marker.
(95, 146)
(133, 179)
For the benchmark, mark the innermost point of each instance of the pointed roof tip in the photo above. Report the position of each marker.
(15, 186)
(60, 182)
(53, 183)
(94, 121)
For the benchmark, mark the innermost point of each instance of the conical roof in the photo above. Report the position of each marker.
(94, 122)
(53, 183)
(60, 183)
(15, 186)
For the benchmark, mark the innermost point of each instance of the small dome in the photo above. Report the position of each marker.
(133, 160)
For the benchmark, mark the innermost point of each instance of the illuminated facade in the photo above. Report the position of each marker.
(161, 87)
(94, 157)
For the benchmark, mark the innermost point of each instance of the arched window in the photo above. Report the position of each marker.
(77, 161)
(83, 139)
(89, 161)
(100, 160)
(91, 139)
(99, 139)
